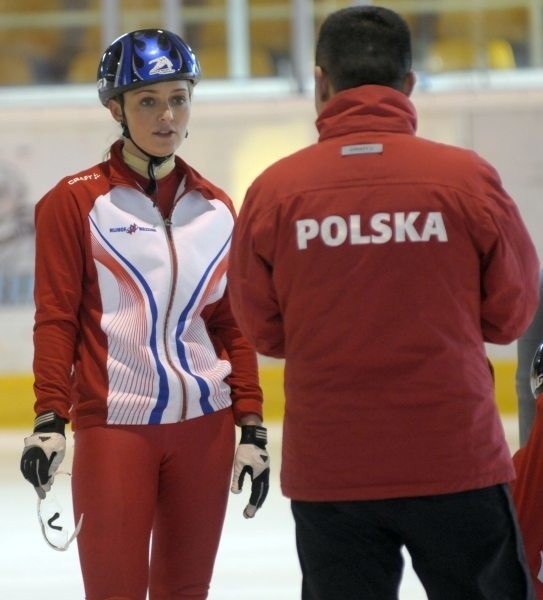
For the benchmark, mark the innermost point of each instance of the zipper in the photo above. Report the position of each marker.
(167, 223)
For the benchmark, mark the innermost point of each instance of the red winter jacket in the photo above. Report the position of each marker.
(377, 264)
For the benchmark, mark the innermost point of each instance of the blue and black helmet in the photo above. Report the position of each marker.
(142, 57)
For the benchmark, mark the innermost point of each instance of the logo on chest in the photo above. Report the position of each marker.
(131, 229)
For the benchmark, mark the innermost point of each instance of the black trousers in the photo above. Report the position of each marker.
(464, 546)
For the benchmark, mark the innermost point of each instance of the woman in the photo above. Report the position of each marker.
(527, 345)
(135, 343)
(528, 486)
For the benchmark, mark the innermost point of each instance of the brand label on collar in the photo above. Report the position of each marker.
(362, 149)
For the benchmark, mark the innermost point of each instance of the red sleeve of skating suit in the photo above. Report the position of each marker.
(230, 344)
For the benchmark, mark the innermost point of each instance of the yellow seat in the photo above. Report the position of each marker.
(499, 54)
(83, 67)
(15, 70)
(462, 54)
(214, 62)
(451, 54)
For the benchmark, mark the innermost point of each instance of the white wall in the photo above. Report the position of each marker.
(230, 141)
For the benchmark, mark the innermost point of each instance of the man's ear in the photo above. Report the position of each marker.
(323, 88)
(116, 110)
(409, 83)
(322, 84)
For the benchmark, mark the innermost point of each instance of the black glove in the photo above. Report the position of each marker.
(43, 452)
(536, 372)
(252, 458)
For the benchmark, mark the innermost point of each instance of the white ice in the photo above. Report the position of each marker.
(257, 557)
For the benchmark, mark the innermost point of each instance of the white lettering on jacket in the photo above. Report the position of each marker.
(381, 228)
(83, 178)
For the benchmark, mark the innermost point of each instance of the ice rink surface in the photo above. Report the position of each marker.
(257, 558)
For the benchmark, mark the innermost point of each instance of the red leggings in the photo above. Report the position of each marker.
(171, 480)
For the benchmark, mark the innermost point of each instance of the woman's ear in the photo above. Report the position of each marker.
(116, 110)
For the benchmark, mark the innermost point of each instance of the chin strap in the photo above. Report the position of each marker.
(154, 161)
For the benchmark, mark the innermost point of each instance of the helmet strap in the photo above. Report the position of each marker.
(154, 161)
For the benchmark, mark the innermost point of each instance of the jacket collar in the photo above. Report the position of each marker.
(121, 173)
(367, 108)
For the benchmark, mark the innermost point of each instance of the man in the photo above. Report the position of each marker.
(377, 264)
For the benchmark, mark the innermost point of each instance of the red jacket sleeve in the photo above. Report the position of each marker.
(252, 292)
(510, 268)
(231, 345)
(57, 295)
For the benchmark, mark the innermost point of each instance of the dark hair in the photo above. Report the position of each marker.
(363, 45)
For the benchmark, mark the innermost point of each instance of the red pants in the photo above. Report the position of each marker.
(168, 480)
(528, 497)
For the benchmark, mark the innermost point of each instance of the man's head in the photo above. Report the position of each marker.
(362, 45)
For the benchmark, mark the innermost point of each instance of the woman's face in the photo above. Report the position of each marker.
(157, 116)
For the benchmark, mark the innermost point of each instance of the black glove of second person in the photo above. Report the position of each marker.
(253, 459)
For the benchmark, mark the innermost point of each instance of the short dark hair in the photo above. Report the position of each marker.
(362, 45)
